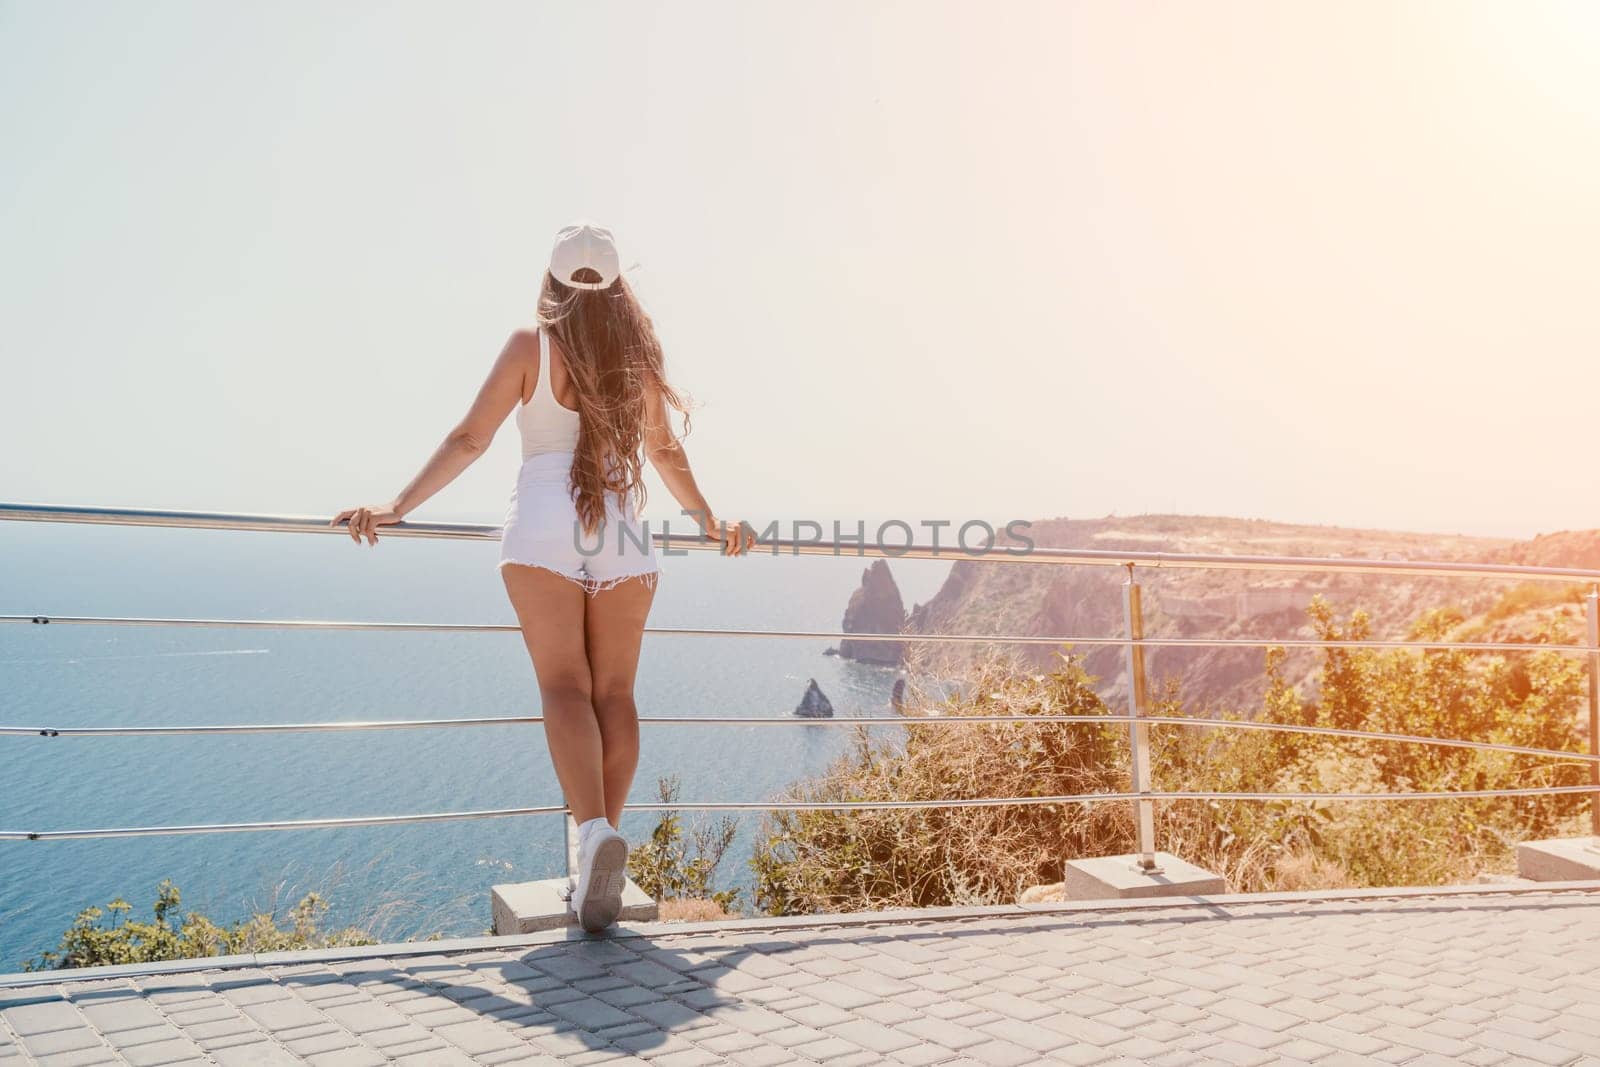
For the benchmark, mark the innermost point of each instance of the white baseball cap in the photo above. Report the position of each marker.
(583, 245)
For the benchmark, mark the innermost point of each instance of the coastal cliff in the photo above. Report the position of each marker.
(1087, 601)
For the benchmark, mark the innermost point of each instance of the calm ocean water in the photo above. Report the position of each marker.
(397, 881)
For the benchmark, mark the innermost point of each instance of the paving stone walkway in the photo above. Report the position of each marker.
(1480, 978)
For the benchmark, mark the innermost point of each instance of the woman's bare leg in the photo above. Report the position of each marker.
(551, 612)
(615, 628)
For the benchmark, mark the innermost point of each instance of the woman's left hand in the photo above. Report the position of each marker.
(364, 521)
(736, 535)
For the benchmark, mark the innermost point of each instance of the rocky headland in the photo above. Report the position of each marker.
(990, 598)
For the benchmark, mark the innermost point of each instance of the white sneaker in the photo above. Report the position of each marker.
(602, 872)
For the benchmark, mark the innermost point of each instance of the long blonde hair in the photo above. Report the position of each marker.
(613, 357)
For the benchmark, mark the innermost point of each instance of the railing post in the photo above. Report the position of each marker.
(1592, 611)
(1144, 810)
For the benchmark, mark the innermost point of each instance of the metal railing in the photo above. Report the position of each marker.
(1138, 718)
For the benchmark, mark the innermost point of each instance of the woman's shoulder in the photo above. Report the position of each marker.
(522, 353)
(525, 342)
(525, 337)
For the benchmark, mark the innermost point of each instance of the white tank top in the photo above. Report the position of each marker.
(546, 426)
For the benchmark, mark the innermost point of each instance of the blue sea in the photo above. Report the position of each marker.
(395, 881)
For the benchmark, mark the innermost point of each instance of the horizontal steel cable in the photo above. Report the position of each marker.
(864, 805)
(517, 720)
(817, 635)
(746, 720)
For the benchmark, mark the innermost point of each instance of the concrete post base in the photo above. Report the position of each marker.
(1570, 859)
(527, 907)
(1119, 877)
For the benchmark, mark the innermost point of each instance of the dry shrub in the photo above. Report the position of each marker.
(1044, 894)
(834, 861)
(1301, 870)
(691, 910)
(824, 861)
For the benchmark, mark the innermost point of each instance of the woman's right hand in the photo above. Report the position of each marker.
(736, 535)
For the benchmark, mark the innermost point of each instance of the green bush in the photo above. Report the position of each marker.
(665, 869)
(175, 935)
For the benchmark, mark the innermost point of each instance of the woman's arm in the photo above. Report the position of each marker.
(468, 440)
(667, 455)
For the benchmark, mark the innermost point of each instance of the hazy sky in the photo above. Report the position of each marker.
(1330, 263)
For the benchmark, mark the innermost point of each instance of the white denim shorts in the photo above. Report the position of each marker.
(542, 530)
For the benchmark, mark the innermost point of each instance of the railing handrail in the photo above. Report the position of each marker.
(272, 523)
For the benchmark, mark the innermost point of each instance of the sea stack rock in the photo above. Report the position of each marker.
(897, 695)
(875, 608)
(814, 705)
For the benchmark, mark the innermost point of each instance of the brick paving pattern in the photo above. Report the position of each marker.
(1481, 979)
